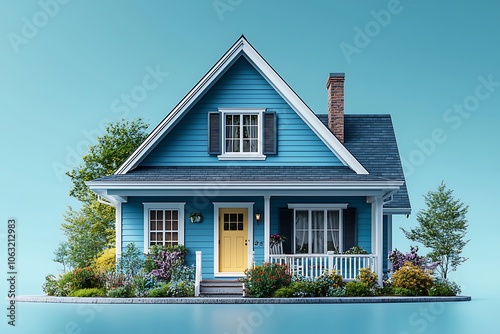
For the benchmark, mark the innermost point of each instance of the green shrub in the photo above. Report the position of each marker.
(284, 292)
(262, 281)
(182, 289)
(387, 290)
(85, 278)
(121, 292)
(161, 291)
(92, 292)
(444, 288)
(131, 262)
(368, 277)
(404, 291)
(336, 292)
(357, 289)
(60, 286)
(411, 277)
(50, 286)
(303, 289)
(326, 281)
(142, 283)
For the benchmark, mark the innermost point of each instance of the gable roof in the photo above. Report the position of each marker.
(242, 48)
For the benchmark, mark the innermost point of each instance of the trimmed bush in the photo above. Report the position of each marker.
(444, 288)
(120, 292)
(85, 278)
(368, 277)
(161, 291)
(404, 292)
(336, 292)
(263, 281)
(92, 292)
(411, 277)
(357, 289)
(327, 281)
(284, 292)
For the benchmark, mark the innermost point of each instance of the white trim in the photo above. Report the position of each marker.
(242, 155)
(308, 206)
(239, 205)
(267, 226)
(378, 235)
(389, 240)
(243, 47)
(163, 206)
(118, 230)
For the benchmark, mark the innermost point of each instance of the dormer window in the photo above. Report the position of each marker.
(242, 134)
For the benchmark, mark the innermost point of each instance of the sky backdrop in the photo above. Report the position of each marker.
(68, 67)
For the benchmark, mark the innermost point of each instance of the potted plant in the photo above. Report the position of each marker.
(276, 239)
(195, 217)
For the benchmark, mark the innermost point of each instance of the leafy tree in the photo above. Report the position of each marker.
(88, 232)
(104, 158)
(442, 229)
(62, 255)
(90, 229)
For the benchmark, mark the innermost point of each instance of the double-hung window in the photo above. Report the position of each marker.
(242, 134)
(318, 228)
(163, 224)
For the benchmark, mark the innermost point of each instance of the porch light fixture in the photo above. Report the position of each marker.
(257, 216)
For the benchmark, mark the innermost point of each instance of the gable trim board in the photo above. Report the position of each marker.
(243, 48)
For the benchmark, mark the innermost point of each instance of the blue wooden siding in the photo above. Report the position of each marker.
(240, 87)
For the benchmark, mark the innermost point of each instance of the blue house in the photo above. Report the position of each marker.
(243, 150)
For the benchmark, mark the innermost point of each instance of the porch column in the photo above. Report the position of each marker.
(378, 236)
(267, 226)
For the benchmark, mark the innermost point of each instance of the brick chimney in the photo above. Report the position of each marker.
(335, 87)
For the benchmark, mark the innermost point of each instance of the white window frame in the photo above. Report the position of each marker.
(242, 155)
(318, 207)
(163, 206)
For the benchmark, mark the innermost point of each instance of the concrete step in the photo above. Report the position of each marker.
(221, 288)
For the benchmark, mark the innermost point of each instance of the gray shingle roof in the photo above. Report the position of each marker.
(369, 138)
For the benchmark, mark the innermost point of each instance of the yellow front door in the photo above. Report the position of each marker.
(233, 235)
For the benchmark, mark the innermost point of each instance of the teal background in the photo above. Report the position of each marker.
(73, 69)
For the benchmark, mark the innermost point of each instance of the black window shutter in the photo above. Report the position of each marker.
(214, 133)
(349, 216)
(286, 228)
(270, 133)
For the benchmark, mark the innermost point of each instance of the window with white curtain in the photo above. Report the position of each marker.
(317, 230)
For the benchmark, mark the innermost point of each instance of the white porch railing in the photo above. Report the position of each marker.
(197, 276)
(313, 265)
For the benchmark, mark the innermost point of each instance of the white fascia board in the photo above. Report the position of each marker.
(242, 45)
